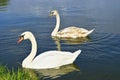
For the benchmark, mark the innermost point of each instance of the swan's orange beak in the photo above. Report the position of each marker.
(21, 38)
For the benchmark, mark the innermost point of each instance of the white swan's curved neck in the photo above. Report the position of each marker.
(33, 52)
(57, 25)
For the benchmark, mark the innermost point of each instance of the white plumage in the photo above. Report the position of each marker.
(48, 59)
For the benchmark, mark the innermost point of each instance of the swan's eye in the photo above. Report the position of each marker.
(22, 36)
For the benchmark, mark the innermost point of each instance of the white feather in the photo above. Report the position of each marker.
(48, 59)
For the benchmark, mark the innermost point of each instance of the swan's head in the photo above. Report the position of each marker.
(53, 13)
(25, 35)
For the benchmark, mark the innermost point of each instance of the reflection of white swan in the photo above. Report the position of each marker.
(48, 59)
(70, 32)
(55, 73)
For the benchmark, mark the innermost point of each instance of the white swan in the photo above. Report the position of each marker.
(48, 59)
(70, 32)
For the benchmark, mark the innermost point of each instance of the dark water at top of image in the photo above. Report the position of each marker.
(100, 57)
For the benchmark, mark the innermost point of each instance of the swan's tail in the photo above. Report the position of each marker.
(89, 32)
(76, 53)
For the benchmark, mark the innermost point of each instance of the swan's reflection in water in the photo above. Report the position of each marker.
(55, 73)
(72, 41)
(57, 42)
(37, 74)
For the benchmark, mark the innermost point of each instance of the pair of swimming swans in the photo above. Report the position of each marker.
(52, 59)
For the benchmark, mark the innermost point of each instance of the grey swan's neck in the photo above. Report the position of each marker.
(54, 33)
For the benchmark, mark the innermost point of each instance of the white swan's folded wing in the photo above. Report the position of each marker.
(52, 59)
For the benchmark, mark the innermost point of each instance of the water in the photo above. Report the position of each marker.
(100, 55)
